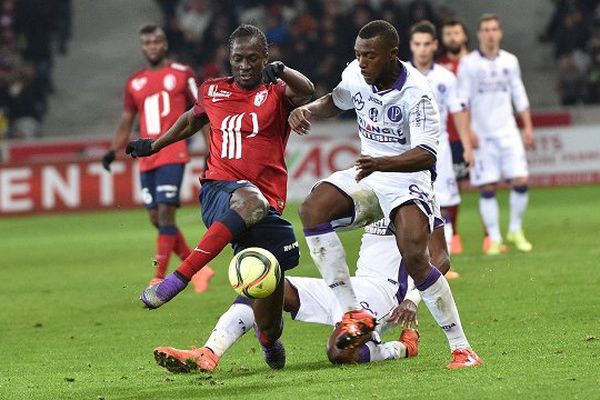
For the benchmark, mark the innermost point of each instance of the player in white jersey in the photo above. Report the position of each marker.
(398, 123)
(382, 286)
(490, 81)
(423, 45)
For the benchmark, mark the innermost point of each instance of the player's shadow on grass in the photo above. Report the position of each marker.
(236, 372)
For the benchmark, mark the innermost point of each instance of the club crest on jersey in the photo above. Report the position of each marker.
(358, 101)
(169, 82)
(373, 114)
(441, 88)
(138, 83)
(394, 113)
(260, 98)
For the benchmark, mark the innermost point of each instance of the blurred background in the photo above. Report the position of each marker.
(64, 63)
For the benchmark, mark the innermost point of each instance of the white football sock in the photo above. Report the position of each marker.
(518, 205)
(328, 254)
(438, 298)
(490, 215)
(232, 325)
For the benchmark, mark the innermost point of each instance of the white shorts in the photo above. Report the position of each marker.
(380, 193)
(445, 186)
(318, 303)
(499, 158)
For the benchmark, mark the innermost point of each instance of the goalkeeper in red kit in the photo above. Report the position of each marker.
(244, 189)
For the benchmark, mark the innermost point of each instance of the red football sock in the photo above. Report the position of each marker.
(452, 214)
(165, 243)
(181, 247)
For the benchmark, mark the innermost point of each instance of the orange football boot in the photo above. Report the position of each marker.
(456, 246)
(410, 339)
(452, 275)
(179, 361)
(202, 278)
(464, 358)
(487, 242)
(355, 325)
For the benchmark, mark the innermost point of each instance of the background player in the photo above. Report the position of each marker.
(244, 189)
(490, 80)
(455, 41)
(423, 45)
(381, 282)
(398, 122)
(159, 93)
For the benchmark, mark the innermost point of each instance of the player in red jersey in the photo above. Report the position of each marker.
(159, 93)
(244, 189)
(455, 44)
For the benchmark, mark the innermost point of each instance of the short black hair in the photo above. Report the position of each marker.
(249, 31)
(149, 28)
(380, 28)
(454, 22)
(424, 27)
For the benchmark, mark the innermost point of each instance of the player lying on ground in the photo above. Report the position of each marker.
(398, 123)
(244, 189)
(380, 282)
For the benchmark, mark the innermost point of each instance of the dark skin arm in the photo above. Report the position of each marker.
(321, 108)
(299, 88)
(185, 126)
(414, 160)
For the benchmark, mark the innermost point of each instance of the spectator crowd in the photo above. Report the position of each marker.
(313, 36)
(574, 31)
(31, 31)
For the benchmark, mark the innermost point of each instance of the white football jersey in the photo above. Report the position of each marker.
(391, 121)
(491, 87)
(378, 256)
(445, 89)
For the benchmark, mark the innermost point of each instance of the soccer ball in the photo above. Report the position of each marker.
(254, 273)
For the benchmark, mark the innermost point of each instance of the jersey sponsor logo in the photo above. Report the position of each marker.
(138, 83)
(217, 95)
(373, 114)
(156, 107)
(358, 101)
(394, 113)
(378, 133)
(376, 100)
(260, 98)
(169, 81)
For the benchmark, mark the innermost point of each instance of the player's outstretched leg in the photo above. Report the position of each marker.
(236, 211)
(268, 315)
(232, 325)
(202, 278)
(518, 204)
(325, 204)
(412, 234)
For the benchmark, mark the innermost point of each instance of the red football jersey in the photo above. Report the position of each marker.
(249, 131)
(159, 97)
(452, 65)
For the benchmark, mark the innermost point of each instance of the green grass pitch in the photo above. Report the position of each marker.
(72, 327)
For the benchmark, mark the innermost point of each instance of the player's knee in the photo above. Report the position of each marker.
(291, 299)
(250, 204)
(416, 261)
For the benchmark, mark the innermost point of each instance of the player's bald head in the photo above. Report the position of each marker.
(380, 29)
